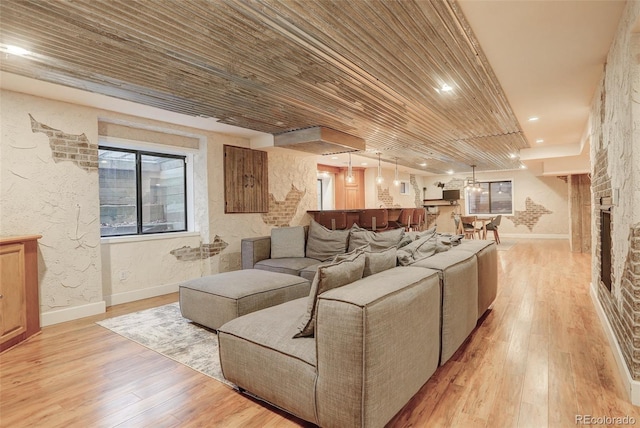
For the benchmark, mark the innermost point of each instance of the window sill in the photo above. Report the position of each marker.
(141, 238)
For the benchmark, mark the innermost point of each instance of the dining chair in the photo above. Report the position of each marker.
(493, 225)
(469, 226)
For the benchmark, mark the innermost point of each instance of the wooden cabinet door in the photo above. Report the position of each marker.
(13, 306)
(245, 180)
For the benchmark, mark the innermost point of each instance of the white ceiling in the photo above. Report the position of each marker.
(549, 57)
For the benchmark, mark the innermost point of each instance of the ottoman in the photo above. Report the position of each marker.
(213, 300)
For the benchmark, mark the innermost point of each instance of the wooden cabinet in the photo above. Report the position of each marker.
(19, 301)
(246, 184)
(349, 195)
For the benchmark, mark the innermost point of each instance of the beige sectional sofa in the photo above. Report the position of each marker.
(377, 340)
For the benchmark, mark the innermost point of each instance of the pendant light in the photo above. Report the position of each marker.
(349, 171)
(473, 185)
(379, 179)
(396, 180)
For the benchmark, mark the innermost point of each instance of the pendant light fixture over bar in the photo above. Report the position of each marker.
(379, 179)
(349, 171)
(396, 180)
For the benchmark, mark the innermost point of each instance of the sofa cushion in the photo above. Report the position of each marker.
(310, 271)
(258, 353)
(290, 265)
(376, 240)
(420, 249)
(328, 277)
(323, 244)
(287, 242)
(378, 261)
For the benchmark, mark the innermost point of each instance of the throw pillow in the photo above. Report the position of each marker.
(351, 254)
(377, 240)
(323, 244)
(328, 277)
(287, 242)
(409, 237)
(378, 261)
(420, 249)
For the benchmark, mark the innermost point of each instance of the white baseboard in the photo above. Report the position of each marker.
(72, 313)
(631, 386)
(533, 235)
(145, 293)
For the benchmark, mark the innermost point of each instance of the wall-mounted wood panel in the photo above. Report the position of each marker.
(349, 195)
(246, 184)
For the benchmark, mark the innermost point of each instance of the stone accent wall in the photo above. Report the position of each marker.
(204, 251)
(416, 190)
(384, 197)
(614, 121)
(69, 147)
(282, 212)
(530, 216)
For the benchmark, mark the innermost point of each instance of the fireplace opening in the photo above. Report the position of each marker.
(605, 248)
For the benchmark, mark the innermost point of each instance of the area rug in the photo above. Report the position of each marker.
(165, 331)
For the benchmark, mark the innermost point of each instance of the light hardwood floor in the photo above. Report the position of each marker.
(537, 359)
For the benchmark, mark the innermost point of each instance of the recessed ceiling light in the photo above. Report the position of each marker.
(334, 157)
(513, 155)
(423, 164)
(446, 88)
(533, 118)
(450, 172)
(523, 166)
(539, 140)
(17, 50)
(364, 164)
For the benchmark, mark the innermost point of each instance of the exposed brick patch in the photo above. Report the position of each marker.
(416, 190)
(455, 184)
(384, 198)
(69, 147)
(204, 251)
(281, 212)
(530, 216)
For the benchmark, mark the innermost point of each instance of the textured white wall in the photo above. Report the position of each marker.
(61, 202)
(57, 200)
(550, 192)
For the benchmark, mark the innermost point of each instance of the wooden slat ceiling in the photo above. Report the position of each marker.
(366, 68)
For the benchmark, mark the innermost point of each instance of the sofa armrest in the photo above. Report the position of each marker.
(254, 249)
(377, 343)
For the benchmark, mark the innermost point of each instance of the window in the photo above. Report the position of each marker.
(495, 197)
(141, 192)
(404, 188)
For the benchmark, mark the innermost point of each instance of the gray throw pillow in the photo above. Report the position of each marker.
(323, 244)
(376, 240)
(287, 242)
(329, 277)
(378, 261)
(409, 237)
(420, 249)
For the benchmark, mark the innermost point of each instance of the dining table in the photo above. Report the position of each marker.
(484, 221)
